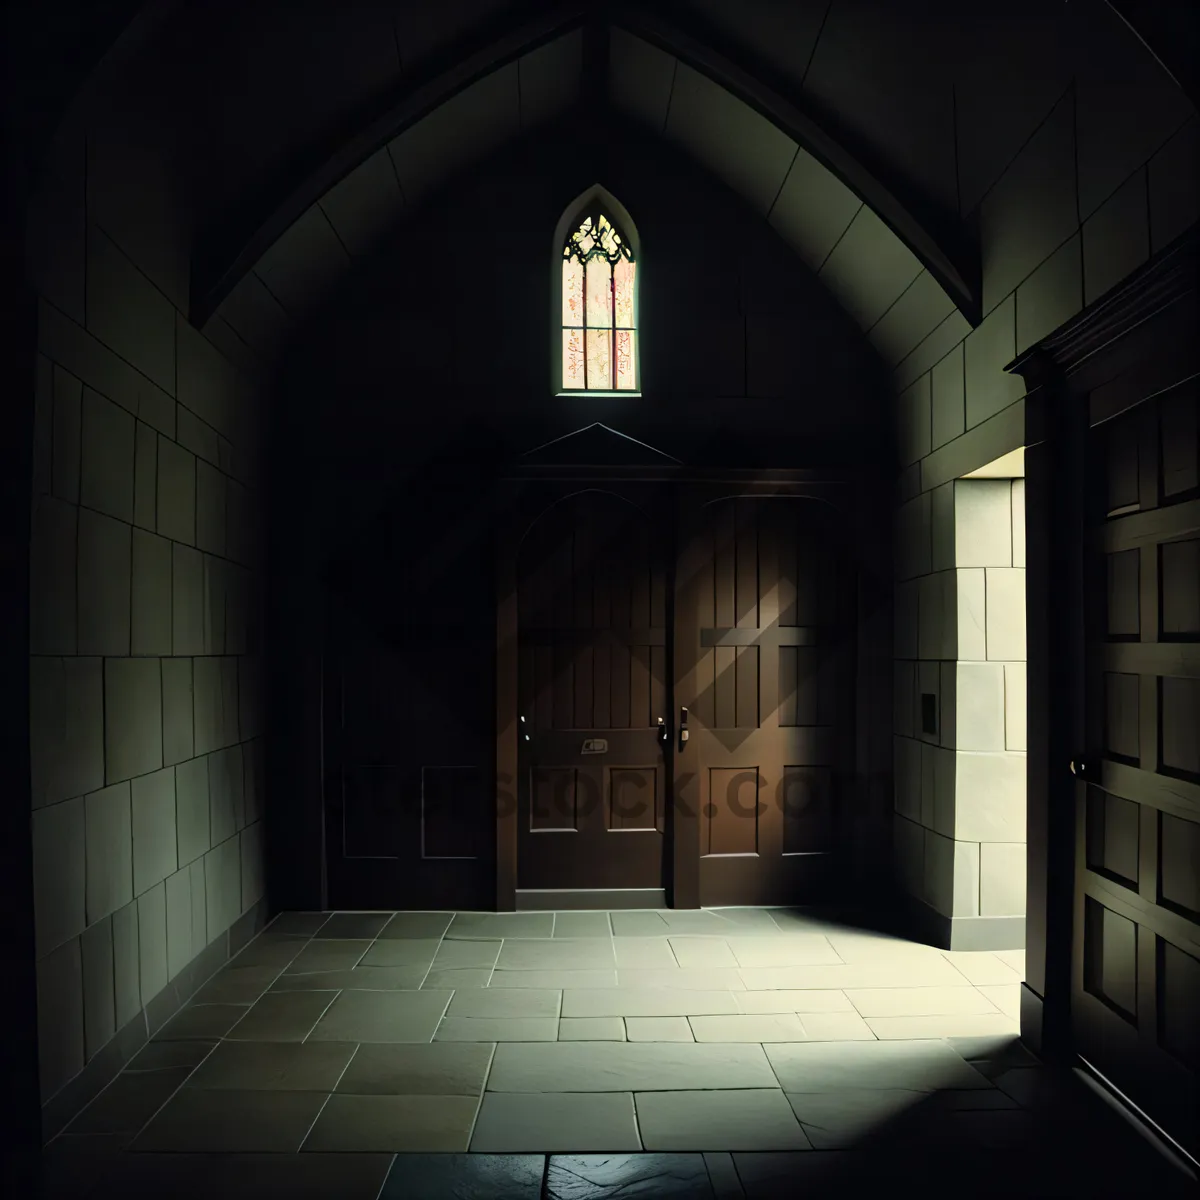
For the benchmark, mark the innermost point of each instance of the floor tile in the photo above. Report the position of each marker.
(236, 985)
(467, 954)
(554, 979)
(582, 924)
(953, 1025)
(784, 1176)
(417, 925)
(434, 1069)
(722, 1175)
(644, 952)
(718, 1120)
(375, 979)
(638, 924)
(299, 1176)
(923, 1066)
(591, 1029)
(159, 1056)
(696, 979)
(1012, 958)
(783, 950)
(354, 925)
(569, 1122)
(747, 921)
(695, 921)
(981, 966)
(607, 1176)
(1007, 1049)
(382, 1017)
(154, 1176)
(501, 925)
(378, 1124)
(645, 1002)
(298, 924)
(465, 1177)
(223, 1122)
(204, 1021)
(129, 1102)
(456, 977)
(1033, 1087)
(282, 1017)
(505, 1002)
(1005, 996)
(330, 955)
(998, 1129)
(75, 1167)
(658, 1029)
(918, 1001)
(859, 946)
(844, 1118)
(497, 1029)
(273, 1066)
(270, 950)
(793, 1001)
(620, 1066)
(765, 1027)
(795, 920)
(702, 952)
(926, 972)
(836, 1027)
(561, 954)
(401, 952)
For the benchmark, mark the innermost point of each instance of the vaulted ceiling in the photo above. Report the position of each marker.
(866, 132)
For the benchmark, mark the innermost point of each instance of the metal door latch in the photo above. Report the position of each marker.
(683, 729)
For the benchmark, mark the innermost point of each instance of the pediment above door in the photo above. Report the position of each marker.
(596, 445)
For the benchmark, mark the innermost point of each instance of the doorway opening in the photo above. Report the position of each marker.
(983, 706)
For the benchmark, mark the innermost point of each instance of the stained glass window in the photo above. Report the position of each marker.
(599, 309)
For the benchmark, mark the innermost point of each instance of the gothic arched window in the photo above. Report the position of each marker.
(599, 308)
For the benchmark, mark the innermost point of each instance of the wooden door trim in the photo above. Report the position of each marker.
(509, 534)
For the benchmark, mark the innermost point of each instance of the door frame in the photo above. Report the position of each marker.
(844, 490)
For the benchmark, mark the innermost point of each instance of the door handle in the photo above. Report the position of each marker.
(683, 729)
(662, 731)
(1082, 768)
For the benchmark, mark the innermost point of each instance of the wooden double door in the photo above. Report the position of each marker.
(685, 690)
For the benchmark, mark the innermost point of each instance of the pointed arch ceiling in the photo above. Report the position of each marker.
(887, 269)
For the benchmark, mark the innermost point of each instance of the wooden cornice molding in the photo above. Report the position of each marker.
(1169, 278)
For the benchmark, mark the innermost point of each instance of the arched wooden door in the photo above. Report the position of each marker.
(593, 638)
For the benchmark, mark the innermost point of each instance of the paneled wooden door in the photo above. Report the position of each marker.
(408, 698)
(765, 635)
(593, 637)
(1135, 997)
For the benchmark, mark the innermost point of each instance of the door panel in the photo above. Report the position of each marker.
(409, 704)
(765, 661)
(592, 675)
(1136, 960)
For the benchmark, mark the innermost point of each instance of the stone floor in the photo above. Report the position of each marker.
(719, 1054)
